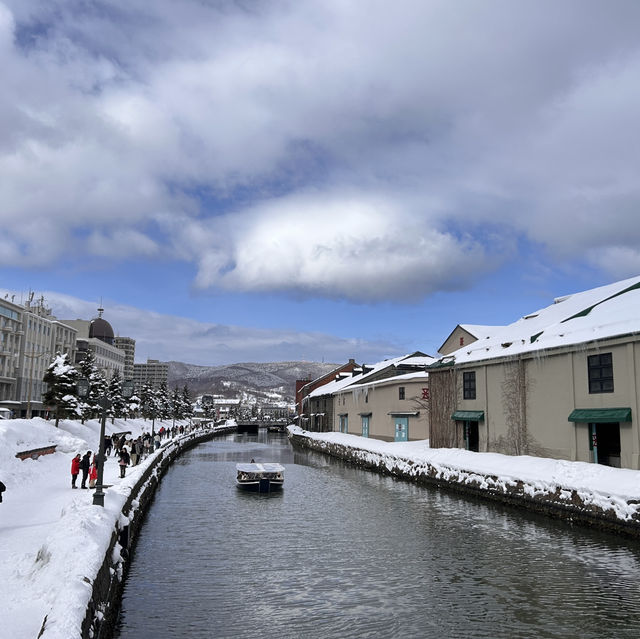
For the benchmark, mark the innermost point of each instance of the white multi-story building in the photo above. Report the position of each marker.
(10, 343)
(44, 337)
(128, 345)
(153, 372)
(30, 336)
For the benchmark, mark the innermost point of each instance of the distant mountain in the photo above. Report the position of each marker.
(272, 380)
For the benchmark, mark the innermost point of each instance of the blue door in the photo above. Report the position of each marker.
(402, 429)
(365, 425)
(344, 423)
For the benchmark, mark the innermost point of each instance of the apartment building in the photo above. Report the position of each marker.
(153, 372)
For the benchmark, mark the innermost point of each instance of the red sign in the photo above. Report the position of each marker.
(425, 393)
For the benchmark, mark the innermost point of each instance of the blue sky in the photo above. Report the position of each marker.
(252, 181)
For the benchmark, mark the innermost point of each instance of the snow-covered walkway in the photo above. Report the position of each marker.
(53, 539)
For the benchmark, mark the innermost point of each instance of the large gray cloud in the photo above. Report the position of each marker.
(317, 146)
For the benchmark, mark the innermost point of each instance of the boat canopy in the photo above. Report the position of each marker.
(259, 468)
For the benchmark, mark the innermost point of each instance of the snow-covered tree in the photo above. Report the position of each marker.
(186, 403)
(91, 406)
(177, 408)
(132, 406)
(164, 401)
(149, 402)
(118, 403)
(61, 378)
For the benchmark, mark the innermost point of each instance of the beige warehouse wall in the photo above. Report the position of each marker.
(379, 400)
(555, 384)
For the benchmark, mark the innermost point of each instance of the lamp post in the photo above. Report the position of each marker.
(150, 407)
(105, 404)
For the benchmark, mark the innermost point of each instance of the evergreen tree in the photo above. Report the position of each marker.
(88, 370)
(177, 407)
(164, 401)
(132, 406)
(150, 402)
(60, 378)
(91, 406)
(186, 403)
(118, 403)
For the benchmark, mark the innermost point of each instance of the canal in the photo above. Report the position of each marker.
(341, 552)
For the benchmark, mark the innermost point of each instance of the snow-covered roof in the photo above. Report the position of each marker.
(599, 313)
(372, 370)
(334, 386)
(480, 331)
(423, 360)
(418, 375)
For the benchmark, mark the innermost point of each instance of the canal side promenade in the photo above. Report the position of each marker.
(591, 494)
(53, 540)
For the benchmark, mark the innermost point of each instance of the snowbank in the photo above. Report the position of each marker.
(589, 490)
(53, 539)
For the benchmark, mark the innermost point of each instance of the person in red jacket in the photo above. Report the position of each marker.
(93, 473)
(75, 470)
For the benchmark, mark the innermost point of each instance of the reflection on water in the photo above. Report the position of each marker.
(341, 552)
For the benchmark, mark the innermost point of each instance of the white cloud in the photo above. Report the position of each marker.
(291, 142)
(357, 247)
(169, 337)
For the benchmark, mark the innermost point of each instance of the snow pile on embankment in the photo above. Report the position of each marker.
(611, 490)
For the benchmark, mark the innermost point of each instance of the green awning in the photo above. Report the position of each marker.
(468, 416)
(600, 415)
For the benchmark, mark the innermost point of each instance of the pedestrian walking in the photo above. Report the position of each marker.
(107, 444)
(93, 473)
(133, 454)
(156, 439)
(75, 470)
(125, 460)
(2, 489)
(138, 448)
(85, 464)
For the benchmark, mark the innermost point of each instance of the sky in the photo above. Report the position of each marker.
(315, 180)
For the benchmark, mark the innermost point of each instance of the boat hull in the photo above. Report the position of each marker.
(260, 485)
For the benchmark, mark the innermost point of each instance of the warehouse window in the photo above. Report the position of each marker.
(600, 373)
(469, 385)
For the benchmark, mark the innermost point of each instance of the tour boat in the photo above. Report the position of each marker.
(260, 477)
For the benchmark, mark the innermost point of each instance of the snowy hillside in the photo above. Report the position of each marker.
(262, 379)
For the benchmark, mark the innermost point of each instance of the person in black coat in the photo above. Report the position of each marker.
(85, 464)
(2, 489)
(125, 460)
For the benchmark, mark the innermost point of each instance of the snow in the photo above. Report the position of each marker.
(608, 488)
(361, 379)
(613, 313)
(53, 539)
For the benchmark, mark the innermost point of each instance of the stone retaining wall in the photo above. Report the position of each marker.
(563, 503)
(103, 608)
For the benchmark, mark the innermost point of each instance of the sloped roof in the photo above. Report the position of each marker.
(411, 359)
(332, 387)
(407, 377)
(603, 312)
(479, 330)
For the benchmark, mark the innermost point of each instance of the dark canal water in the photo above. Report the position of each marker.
(341, 552)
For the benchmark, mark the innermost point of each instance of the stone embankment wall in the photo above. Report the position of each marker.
(574, 506)
(102, 612)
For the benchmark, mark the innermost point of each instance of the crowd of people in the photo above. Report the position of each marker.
(129, 451)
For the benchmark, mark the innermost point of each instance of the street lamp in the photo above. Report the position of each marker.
(82, 387)
(105, 404)
(150, 407)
